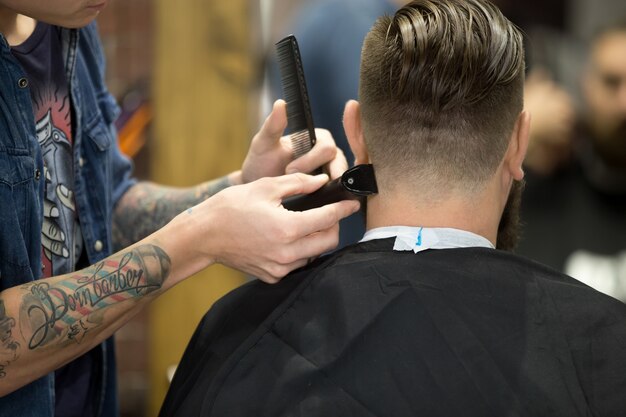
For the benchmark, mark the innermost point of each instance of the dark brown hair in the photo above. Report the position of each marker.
(441, 87)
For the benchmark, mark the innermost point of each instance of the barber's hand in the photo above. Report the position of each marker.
(271, 154)
(246, 228)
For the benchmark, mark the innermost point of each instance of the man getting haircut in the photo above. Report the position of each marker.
(430, 314)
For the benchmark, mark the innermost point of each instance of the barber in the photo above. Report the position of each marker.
(67, 198)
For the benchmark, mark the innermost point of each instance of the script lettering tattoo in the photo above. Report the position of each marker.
(77, 331)
(147, 207)
(9, 348)
(67, 311)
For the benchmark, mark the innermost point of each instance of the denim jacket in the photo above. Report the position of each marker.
(102, 175)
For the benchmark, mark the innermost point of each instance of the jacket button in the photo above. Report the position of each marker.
(37, 174)
(98, 246)
(22, 82)
(81, 161)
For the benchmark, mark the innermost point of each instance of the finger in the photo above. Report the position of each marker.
(66, 196)
(325, 217)
(312, 246)
(46, 174)
(274, 125)
(50, 209)
(52, 231)
(287, 185)
(277, 271)
(322, 152)
(338, 165)
(271, 271)
(316, 245)
(54, 247)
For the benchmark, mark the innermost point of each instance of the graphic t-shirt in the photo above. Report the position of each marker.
(62, 244)
(41, 58)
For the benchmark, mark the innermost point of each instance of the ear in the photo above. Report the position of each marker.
(518, 145)
(354, 132)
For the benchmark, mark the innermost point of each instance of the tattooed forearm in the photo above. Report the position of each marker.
(67, 310)
(9, 348)
(147, 207)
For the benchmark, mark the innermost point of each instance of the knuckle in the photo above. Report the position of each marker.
(264, 181)
(269, 277)
(300, 177)
(326, 146)
(276, 272)
(284, 234)
(336, 213)
(330, 239)
(323, 134)
(284, 256)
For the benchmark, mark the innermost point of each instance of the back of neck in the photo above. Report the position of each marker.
(477, 214)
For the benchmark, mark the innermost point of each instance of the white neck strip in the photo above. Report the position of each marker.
(418, 239)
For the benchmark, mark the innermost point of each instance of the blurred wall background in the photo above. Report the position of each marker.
(194, 63)
(127, 32)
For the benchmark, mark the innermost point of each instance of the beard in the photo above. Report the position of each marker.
(613, 148)
(509, 227)
(609, 141)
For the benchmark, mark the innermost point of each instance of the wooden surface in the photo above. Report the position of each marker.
(204, 116)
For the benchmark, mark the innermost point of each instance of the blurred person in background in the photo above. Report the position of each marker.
(574, 210)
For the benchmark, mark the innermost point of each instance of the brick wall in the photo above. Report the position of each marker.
(126, 30)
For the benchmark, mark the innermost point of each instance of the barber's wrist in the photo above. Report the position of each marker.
(180, 240)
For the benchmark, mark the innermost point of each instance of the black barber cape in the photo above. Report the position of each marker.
(373, 332)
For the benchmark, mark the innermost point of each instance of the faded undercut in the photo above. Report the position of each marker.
(441, 87)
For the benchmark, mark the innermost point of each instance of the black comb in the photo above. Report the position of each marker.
(299, 117)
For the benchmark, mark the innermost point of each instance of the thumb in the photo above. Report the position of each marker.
(275, 123)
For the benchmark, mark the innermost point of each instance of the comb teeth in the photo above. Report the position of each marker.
(299, 117)
(300, 143)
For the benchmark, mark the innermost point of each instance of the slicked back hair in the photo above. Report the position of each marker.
(441, 87)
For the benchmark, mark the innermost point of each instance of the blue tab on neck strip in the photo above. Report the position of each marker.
(418, 239)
